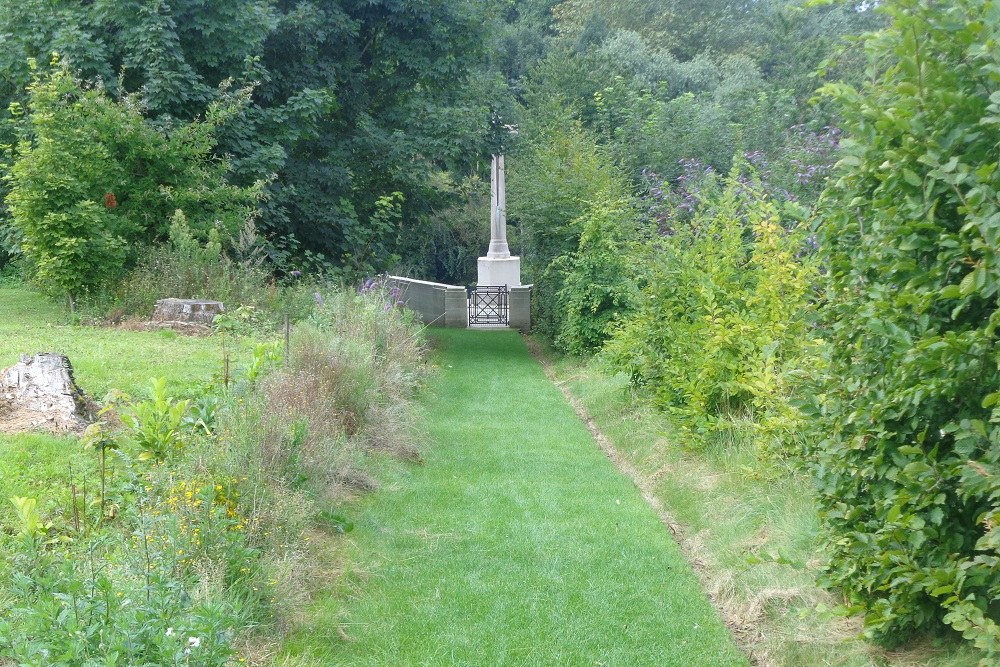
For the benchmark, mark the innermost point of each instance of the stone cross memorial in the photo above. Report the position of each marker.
(498, 267)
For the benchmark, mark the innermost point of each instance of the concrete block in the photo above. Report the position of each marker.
(500, 271)
(456, 307)
(520, 308)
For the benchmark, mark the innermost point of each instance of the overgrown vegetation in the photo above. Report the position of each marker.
(723, 323)
(830, 304)
(94, 185)
(180, 531)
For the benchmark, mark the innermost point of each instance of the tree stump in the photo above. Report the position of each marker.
(39, 393)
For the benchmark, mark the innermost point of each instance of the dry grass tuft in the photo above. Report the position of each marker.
(301, 438)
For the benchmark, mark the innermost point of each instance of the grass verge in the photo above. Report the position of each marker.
(518, 543)
(103, 357)
(748, 525)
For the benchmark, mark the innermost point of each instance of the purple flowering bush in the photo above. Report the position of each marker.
(378, 288)
(796, 175)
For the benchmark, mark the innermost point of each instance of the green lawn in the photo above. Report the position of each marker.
(517, 543)
(103, 358)
(38, 465)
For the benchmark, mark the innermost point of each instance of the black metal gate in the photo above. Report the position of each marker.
(488, 304)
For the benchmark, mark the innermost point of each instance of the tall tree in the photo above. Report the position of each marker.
(355, 101)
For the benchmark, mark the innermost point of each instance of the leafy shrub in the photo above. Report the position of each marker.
(69, 614)
(599, 280)
(155, 424)
(186, 268)
(33, 526)
(562, 185)
(93, 182)
(92, 595)
(909, 467)
(724, 316)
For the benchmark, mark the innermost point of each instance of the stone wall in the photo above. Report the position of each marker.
(443, 305)
(520, 308)
(435, 303)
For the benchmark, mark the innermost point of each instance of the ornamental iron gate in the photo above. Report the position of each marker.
(488, 304)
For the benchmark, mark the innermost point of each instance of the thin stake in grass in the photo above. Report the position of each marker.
(75, 510)
(287, 337)
(148, 565)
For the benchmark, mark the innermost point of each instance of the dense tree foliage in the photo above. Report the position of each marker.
(561, 186)
(353, 102)
(710, 298)
(621, 91)
(910, 456)
(359, 108)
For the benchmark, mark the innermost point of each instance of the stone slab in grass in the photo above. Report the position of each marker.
(188, 311)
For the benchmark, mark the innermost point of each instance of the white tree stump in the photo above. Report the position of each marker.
(39, 393)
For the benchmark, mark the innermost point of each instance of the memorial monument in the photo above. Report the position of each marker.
(498, 267)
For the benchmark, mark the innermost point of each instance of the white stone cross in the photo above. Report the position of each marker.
(498, 267)
(498, 212)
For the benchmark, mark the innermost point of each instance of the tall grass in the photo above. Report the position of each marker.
(212, 545)
(300, 440)
(186, 268)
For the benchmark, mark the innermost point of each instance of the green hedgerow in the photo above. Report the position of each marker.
(909, 464)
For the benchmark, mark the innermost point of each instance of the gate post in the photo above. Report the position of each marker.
(520, 308)
(456, 311)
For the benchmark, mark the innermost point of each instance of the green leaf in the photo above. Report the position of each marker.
(968, 284)
(911, 177)
(915, 468)
(936, 516)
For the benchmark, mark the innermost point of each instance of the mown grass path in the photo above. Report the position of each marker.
(518, 543)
